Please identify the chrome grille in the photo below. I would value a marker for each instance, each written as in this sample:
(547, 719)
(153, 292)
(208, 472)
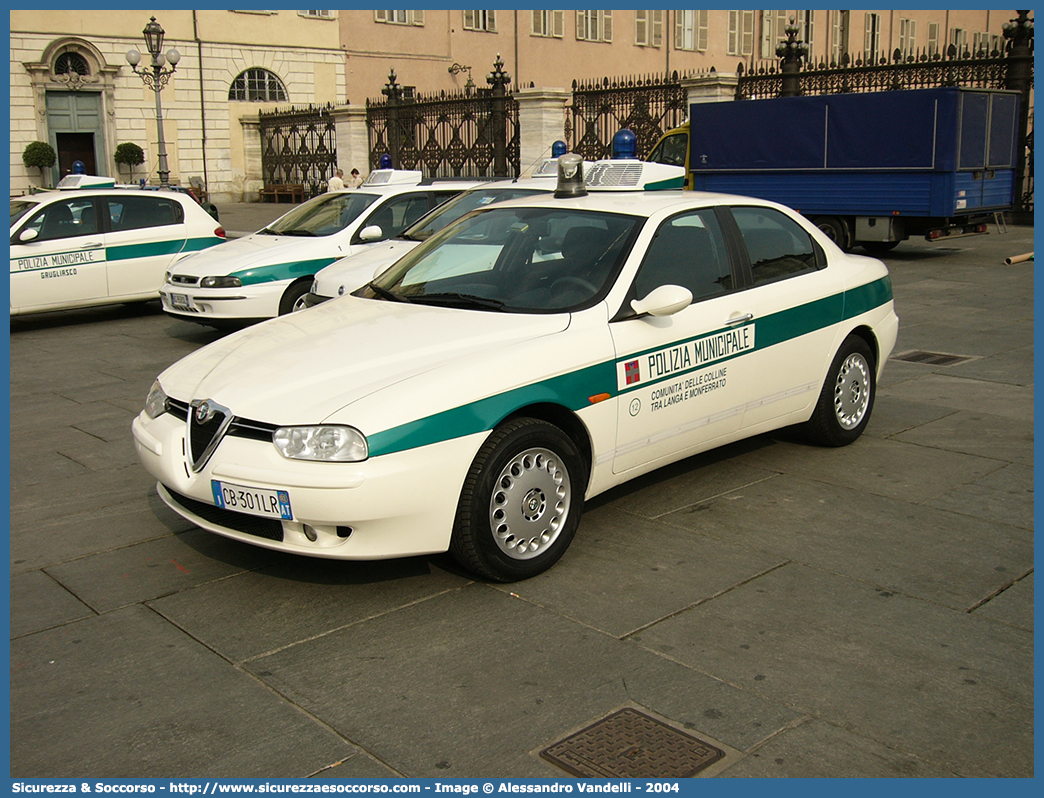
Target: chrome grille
(183, 279)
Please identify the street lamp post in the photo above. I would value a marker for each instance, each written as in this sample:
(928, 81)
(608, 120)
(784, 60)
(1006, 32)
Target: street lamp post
(156, 78)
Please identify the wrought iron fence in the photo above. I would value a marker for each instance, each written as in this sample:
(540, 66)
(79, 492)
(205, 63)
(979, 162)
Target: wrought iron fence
(647, 106)
(299, 145)
(921, 70)
(473, 132)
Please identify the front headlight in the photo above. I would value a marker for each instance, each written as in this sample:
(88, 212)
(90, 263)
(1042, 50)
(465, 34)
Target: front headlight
(220, 282)
(327, 443)
(156, 401)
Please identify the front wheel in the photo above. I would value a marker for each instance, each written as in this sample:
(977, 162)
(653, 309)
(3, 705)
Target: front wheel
(293, 296)
(847, 398)
(521, 502)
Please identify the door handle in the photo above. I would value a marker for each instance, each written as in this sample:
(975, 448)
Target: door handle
(91, 245)
(739, 319)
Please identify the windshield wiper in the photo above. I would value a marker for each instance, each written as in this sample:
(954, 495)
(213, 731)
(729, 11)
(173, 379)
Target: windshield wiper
(460, 300)
(297, 233)
(380, 290)
(267, 231)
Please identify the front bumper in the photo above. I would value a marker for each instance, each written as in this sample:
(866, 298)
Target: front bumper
(258, 301)
(395, 505)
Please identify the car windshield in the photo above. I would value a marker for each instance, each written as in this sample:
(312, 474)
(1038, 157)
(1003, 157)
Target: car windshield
(324, 215)
(20, 208)
(461, 204)
(521, 260)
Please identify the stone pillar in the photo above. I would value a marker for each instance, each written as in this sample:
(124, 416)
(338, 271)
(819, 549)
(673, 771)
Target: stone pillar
(541, 122)
(253, 175)
(712, 87)
(353, 139)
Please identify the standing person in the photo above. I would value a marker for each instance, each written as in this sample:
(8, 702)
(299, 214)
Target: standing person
(355, 180)
(336, 182)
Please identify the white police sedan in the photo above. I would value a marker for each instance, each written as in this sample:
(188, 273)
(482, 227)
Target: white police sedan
(265, 274)
(94, 243)
(526, 358)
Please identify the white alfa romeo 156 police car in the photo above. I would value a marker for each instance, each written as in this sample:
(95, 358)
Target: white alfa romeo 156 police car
(533, 354)
(265, 274)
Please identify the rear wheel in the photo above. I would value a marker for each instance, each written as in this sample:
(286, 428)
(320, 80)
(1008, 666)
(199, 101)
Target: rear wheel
(521, 502)
(847, 398)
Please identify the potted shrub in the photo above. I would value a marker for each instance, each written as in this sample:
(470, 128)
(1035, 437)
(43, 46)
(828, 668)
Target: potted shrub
(130, 154)
(41, 155)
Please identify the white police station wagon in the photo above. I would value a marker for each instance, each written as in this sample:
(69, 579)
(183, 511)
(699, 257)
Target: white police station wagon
(94, 243)
(267, 273)
(526, 358)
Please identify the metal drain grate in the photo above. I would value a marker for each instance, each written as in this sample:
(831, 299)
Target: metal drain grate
(630, 744)
(931, 358)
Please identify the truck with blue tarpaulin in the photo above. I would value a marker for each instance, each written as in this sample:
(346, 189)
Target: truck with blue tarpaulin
(870, 169)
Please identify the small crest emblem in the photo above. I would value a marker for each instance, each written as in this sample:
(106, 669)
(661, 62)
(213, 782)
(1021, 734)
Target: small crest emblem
(204, 412)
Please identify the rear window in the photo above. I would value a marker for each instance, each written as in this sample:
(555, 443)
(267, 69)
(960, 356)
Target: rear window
(138, 212)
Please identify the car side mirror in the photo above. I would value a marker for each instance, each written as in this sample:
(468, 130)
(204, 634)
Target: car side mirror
(663, 301)
(29, 234)
(372, 232)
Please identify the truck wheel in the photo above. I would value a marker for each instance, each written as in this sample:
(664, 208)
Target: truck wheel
(847, 398)
(521, 502)
(836, 230)
(878, 247)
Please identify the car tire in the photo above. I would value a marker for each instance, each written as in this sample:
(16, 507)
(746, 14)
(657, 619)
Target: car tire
(847, 398)
(521, 501)
(292, 294)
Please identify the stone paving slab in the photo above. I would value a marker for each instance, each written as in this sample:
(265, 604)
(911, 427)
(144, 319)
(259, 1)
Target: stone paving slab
(924, 680)
(815, 749)
(473, 681)
(38, 602)
(952, 559)
(145, 571)
(624, 572)
(1003, 494)
(296, 599)
(141, 698)
(889, 468)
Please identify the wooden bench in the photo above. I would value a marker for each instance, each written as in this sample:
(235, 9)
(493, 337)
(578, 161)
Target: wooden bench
(294, 191)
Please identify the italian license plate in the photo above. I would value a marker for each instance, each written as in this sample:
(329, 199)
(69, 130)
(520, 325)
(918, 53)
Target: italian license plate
(253, 501)
(180, 301)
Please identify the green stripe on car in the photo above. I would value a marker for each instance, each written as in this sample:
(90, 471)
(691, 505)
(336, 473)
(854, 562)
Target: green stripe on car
(281, 271)
(573, 389)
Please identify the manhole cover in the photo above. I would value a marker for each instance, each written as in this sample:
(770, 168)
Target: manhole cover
(931, 358)
(630, 744)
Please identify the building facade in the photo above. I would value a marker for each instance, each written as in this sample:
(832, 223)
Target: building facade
(550, 49)
(71, 85)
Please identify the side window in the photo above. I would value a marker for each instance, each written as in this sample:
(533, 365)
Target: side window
(778, 246)
(65, 219)
(397, 214)
(688, 250)
(136, 212)
(671, 150)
